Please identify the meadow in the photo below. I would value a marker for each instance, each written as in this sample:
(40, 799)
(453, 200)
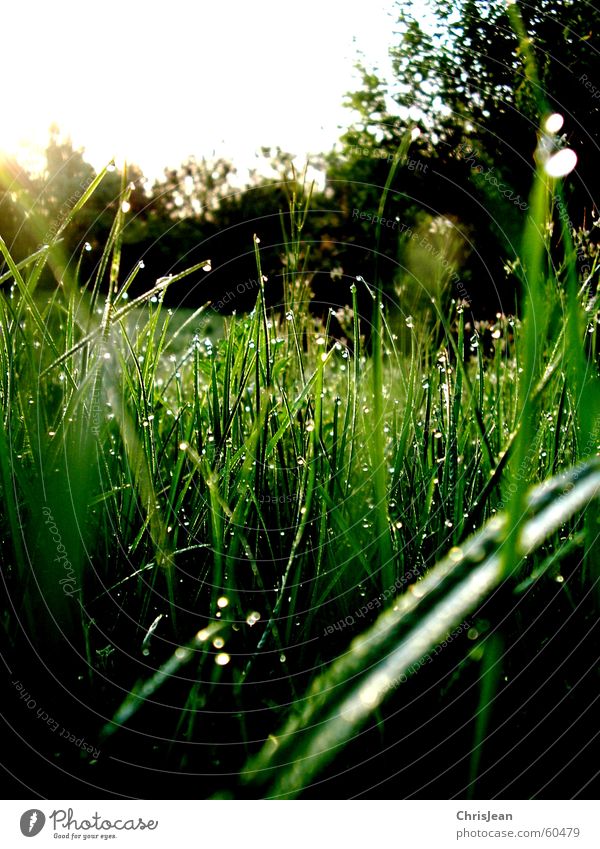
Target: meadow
(278, 560)
(301, 551)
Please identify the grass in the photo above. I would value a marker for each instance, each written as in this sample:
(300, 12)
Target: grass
(198, 529)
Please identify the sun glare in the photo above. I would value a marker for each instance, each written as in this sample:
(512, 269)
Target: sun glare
(153, 86)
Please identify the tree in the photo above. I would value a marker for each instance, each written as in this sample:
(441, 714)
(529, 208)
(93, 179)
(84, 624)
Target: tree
(16, 188)
(194, 188)
(459, 73)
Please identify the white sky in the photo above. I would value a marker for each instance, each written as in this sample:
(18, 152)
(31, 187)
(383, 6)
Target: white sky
(156, 81)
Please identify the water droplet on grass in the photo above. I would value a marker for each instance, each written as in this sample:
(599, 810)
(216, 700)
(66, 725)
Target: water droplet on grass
(554, 122)
(561, 163)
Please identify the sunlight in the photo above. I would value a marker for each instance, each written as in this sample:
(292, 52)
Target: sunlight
(134, 85)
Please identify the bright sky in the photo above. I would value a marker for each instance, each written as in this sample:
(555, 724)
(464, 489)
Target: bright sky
(156, 81)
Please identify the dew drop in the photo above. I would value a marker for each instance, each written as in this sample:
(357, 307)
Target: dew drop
(554, 122)
(561, 163)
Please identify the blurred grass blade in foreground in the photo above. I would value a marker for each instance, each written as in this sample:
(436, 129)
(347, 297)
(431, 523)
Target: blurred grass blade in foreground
(342, 699)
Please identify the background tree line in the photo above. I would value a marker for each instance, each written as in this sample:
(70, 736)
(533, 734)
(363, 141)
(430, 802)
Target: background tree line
(457, 75)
